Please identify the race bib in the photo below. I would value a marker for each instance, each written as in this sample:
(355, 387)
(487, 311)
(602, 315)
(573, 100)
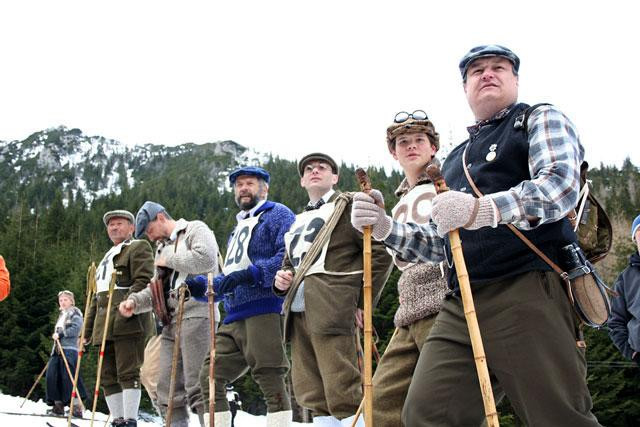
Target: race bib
(105, 268)
(415, 206)
(303, 232)
(238, 251)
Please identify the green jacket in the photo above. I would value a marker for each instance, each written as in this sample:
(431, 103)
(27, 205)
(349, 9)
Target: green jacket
(134, 270)
(331, 300)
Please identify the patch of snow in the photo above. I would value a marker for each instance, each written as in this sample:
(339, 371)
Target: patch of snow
(32, 412)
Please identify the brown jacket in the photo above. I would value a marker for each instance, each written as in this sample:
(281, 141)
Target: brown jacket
(331, 300)
(134, 269)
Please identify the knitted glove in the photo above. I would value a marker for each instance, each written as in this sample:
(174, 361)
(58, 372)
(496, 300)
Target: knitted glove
(369, 210)
(249, 276)
(198, 287)
(454, 209)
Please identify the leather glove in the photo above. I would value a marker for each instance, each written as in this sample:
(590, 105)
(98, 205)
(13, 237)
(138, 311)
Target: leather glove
(249, 276)
(198, 287)
(455, 209)
(368, 209)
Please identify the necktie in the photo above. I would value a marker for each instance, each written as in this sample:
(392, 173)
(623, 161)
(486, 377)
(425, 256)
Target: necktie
(317, 205)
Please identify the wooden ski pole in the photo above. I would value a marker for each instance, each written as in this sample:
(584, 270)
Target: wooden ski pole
(469, 309)
(212, 350)
(96, 392)
(91, 288)
(365, 186)
(35, 383)
(176, 352)
(66, 365)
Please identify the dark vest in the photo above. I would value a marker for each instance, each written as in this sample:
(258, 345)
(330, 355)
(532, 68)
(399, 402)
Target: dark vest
(494, 253)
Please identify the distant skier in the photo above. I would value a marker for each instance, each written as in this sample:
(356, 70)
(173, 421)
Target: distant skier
(234, 402)
(59, 384)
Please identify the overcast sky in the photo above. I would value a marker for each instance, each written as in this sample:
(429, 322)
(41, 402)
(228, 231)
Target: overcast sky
(298, 76)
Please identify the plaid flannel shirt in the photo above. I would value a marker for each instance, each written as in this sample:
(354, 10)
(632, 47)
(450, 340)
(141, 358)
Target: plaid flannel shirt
(555, 155)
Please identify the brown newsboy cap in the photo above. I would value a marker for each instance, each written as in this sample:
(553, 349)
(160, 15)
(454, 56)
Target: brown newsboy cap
(121, 213)
(317, 156)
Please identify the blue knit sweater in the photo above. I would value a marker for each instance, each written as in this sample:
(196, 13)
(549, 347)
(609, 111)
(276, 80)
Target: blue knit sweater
(266, 250)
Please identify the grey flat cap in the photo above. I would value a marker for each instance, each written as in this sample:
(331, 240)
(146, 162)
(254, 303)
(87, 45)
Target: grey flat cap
(120, 213)
(145, 215)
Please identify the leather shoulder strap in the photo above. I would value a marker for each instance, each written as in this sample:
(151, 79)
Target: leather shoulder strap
(515, 231)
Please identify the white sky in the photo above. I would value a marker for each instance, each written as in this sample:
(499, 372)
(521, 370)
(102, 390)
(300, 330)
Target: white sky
(297, 76)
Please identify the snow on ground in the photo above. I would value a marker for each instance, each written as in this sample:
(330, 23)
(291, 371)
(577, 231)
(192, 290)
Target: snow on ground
(12, 404)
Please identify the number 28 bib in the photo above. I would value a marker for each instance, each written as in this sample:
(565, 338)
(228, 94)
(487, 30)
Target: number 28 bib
(415, 206)
(303, 232)
(238, 250)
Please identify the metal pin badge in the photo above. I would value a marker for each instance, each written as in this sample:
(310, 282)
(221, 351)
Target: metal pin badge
(491, 155)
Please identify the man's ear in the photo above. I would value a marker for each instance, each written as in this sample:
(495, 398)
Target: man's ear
(334, 179)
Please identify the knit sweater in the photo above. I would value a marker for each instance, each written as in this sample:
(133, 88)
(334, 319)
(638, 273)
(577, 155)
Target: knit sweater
(195, 251)
(421, 287)
(266, 250)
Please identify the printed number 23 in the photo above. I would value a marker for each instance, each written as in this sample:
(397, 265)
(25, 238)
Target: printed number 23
(312, 229)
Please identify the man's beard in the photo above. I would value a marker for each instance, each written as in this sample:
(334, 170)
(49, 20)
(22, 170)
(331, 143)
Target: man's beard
(245, 206)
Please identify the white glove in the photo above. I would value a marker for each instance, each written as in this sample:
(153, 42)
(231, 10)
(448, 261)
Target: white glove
(366, 210)
(455, 209)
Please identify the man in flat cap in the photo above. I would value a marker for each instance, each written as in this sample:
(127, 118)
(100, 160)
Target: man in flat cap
(524, 163)
(250, 337)
(323, 296)
(132, 261)
(187, 249)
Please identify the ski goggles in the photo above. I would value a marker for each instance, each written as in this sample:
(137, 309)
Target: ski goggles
(403, 116)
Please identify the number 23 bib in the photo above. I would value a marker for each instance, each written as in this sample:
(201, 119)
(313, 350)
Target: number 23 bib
(303, 232)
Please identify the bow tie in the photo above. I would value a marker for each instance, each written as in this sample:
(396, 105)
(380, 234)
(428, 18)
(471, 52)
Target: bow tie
(317, 205)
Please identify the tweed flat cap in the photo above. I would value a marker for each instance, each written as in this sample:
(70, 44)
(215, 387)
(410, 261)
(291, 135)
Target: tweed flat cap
(145, 215)
(317, 156)
(120, 213)
(484, 51)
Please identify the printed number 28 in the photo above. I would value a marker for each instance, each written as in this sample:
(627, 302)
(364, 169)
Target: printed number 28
(238, 246)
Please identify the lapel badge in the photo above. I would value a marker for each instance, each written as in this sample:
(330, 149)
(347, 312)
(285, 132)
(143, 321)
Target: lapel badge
(491, 155)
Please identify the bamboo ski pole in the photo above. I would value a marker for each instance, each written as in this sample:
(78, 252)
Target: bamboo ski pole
(469, 310)
(96, 392)
(35, 383)
(212, 350)
(176, 352)
(66, 365)
(365, 186)
(91, 288)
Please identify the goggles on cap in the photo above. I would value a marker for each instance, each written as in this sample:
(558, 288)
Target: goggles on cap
(403, 116)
